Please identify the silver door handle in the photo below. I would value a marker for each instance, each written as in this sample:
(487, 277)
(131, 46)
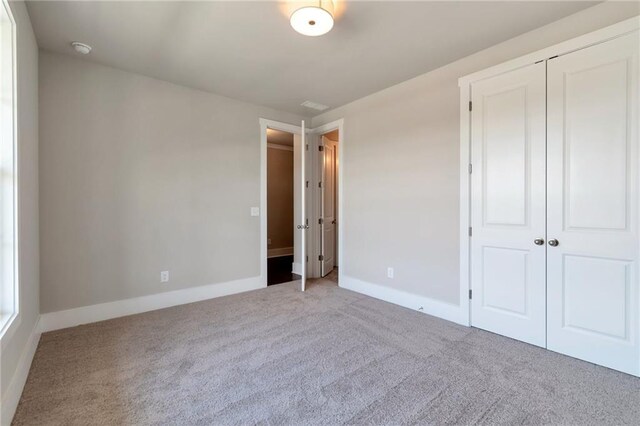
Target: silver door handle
(538, 241)
(554, 243)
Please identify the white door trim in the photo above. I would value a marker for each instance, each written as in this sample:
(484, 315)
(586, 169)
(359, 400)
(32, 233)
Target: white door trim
(465, 204)
(577, 43)
(320, 130)
(313, 219)
(264, 125)
(325, 224)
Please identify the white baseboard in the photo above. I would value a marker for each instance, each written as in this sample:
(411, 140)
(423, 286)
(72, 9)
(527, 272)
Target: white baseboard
(104, 311)
(423, 304)
(282, 251)
(296, 268)
(11, 397)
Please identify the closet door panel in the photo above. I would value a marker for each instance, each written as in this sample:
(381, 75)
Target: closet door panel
(508, 204)
(592, 179)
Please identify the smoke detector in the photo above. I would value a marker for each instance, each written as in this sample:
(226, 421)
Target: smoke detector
(81, 48)
(314, 105)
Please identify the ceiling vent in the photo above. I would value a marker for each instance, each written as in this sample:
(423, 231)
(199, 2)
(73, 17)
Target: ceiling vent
(314, 105)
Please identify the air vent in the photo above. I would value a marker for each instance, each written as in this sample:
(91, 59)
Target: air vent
(314, 105)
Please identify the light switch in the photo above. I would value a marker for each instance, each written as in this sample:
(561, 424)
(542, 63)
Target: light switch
(255, 211)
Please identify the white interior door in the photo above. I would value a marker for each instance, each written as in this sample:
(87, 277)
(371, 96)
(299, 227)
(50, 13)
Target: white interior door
(593, 204)
(302, 219)
(508, 204)
(328, 223)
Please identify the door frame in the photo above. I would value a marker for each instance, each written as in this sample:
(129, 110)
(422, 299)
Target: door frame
(322, 165)
(313, 250)
(264, 125)
(596, 37)
(317, 265)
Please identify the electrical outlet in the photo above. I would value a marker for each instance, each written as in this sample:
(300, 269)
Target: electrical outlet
(164, 276)
(389, 272)
(269, 241)
(255, 211)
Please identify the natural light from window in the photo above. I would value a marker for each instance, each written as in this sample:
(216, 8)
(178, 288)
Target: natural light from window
(8, 271)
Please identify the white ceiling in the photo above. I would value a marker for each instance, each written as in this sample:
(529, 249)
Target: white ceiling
(248, 51)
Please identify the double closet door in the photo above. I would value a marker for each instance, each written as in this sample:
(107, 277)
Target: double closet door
(554, 204)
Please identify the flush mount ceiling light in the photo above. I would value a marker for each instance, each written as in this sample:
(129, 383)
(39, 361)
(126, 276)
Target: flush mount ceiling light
(312, 20)
(81, 47)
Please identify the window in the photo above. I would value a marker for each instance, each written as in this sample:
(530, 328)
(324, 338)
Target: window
(8, 253)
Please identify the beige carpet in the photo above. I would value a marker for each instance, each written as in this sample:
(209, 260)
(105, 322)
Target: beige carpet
(326, 356)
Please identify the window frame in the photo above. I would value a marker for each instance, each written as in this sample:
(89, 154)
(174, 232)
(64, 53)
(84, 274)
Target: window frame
(9, 311)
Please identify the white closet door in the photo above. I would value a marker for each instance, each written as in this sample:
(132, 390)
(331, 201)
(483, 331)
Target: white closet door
(508, 204)
(593, 204)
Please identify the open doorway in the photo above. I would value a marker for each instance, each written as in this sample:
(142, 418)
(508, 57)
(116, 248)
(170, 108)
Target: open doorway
(329, 208)
(281, 199)
(317, 243)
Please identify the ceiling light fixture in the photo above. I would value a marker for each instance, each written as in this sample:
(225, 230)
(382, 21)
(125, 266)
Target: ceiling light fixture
(312, 20)
(81, 47)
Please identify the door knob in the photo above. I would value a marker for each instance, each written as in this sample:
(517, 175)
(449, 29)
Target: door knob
(554, 243)
(538, 241)
(333, 222)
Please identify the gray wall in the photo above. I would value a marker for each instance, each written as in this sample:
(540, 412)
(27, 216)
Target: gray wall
(27, 56)
(401, 156)
(139, 176)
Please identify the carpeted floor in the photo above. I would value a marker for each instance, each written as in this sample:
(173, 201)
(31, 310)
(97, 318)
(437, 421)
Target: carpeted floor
(326, 356)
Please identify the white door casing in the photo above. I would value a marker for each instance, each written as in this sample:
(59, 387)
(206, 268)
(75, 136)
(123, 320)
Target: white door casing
(508, 204)
(311, 203)
(328, 199)
(593, 295)
(296, 131)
